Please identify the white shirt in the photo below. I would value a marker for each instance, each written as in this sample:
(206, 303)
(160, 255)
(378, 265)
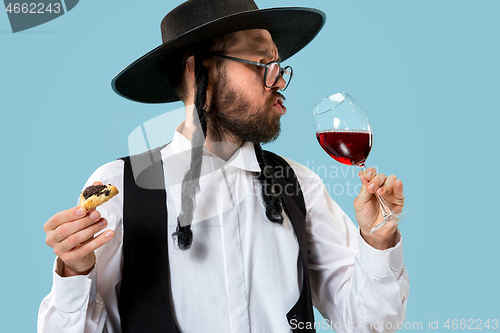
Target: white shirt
(241, 272)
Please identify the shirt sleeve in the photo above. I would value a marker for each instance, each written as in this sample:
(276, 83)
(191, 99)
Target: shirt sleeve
(73, 305)
(88, 304)
(355, 287)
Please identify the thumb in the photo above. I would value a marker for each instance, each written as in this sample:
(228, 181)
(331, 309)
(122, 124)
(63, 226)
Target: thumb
(364, 196)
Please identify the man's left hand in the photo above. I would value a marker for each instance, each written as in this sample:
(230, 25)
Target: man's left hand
(368, 212)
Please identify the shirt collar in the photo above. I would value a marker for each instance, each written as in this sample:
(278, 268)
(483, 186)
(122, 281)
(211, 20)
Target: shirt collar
(244, 158)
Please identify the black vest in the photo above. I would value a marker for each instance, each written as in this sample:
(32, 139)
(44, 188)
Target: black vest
(145, 298)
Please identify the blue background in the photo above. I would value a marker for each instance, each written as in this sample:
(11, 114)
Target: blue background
(426, 73)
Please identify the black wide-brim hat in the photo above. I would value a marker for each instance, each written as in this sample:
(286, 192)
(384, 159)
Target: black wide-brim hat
(145, 80)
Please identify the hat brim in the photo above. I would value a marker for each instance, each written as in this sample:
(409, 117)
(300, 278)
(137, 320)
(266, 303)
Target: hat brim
(146, 81)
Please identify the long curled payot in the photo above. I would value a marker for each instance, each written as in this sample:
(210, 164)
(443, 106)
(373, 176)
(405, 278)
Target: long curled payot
(191, 182)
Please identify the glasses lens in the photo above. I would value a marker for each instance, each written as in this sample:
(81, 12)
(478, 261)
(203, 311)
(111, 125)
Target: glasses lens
(287, 75)
(273, 73)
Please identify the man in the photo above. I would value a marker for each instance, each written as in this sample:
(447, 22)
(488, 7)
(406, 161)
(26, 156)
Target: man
(218, 245)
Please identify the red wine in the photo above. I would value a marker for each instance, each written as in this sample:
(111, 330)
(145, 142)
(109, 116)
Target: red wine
(346, 146)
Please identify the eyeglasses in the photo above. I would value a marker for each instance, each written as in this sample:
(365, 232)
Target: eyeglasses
(271, 74)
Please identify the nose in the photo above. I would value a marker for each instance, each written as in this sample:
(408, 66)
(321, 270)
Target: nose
(280, 84)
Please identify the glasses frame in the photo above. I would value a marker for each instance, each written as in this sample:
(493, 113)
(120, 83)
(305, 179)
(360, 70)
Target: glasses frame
(266, 66)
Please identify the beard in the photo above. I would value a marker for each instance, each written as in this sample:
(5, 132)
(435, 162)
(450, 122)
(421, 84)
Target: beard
(231, 114)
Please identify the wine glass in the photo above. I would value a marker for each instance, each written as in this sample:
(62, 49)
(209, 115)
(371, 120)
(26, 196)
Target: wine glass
(344, 132)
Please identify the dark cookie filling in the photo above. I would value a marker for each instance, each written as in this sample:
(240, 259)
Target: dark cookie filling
(95, 190)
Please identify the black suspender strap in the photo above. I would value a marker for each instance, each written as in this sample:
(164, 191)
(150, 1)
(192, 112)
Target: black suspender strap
(144, 302)
(294, 206)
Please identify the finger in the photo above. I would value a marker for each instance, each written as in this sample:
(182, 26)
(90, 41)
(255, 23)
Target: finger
(366, 176)
(80, 237)
(364, 196)
(396, 193)
(370, 173)
(64, 216)
(361, 176)
(69, 228)
(94, 244)
(376, 182)
(395, 196)
(388, 186)
(398, 190)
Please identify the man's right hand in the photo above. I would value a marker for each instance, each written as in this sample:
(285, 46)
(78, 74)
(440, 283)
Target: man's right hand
(71, 234)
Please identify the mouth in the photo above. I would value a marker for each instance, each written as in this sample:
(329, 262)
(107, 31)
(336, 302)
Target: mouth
(278, 104)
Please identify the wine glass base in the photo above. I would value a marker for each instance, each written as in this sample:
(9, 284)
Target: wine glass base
(393, 217)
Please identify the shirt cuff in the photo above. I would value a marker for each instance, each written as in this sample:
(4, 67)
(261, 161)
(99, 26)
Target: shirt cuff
(382, 263)
(71, 293)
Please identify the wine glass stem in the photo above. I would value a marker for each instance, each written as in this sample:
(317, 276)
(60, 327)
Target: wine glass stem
(386, 210)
